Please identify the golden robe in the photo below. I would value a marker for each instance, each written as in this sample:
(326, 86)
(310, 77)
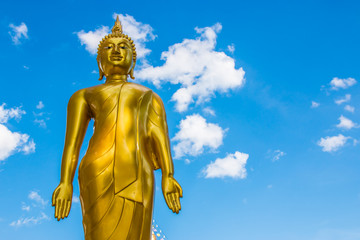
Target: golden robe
(116, 174)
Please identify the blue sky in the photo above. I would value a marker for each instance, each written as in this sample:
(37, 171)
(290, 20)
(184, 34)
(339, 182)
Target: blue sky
(262, 101)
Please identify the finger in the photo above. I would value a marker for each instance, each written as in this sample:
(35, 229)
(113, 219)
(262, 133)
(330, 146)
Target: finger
(178, 202)
(168, 201)
(173, 201)
(57, 208)
(181, 192)
(180, 189)
(63, 210)
(68, 209)
(172, 198)
(54, 197)
(61, 207)
(171, 205)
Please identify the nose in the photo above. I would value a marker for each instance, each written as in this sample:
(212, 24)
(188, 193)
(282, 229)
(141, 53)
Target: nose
(117, 49)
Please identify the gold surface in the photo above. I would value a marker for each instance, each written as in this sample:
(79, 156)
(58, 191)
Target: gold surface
(130, 141)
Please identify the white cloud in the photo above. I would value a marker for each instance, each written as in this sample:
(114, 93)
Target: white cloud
(209, 111)
(233, 165)
(40, 122)
(346, 123)
(11, 142)
(30, 220)
(40, 114)
(18, 32)
(40, 117)
(29, 147)
(277, 155)
(7, 114)
(231, 48)
(75, 199)
(269, 186)
(349, 108)
(332, 144)
(92, 39)
(25, 207)
(37, 202)
(139, 32)
(40, 105)
(26, 67)
(346, 98)
(197, 67)
(196, 134)
(33, 195)
(337, 83)
(314, 104)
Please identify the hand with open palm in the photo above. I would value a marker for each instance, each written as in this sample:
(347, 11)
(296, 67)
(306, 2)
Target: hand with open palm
(62, 199)
(172, 193)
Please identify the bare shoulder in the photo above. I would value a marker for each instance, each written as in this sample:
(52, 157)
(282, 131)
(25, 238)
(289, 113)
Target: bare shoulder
(85, 93)
(94, 89)
(78, 96)
(88, 93)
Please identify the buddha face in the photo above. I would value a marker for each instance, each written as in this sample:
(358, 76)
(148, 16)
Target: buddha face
(115, 56)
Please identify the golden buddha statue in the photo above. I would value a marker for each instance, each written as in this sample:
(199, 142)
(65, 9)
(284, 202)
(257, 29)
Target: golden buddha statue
(130, 141)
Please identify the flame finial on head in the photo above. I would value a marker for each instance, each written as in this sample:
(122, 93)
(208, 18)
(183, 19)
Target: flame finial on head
(117, 28)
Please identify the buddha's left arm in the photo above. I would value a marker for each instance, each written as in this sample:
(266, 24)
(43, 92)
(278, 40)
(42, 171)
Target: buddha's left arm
(161, 148)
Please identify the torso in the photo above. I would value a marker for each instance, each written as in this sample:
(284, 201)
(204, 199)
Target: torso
(114, 145)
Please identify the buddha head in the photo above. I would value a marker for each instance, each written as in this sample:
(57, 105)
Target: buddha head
(116, 54)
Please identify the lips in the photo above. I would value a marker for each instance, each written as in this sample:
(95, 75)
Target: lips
(116, 58)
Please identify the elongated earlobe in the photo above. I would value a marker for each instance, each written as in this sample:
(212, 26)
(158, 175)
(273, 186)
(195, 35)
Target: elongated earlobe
(132, 70)
(101, 76)
(101, 73)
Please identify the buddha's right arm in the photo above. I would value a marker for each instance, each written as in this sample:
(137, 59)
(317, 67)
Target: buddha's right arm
(78, 118)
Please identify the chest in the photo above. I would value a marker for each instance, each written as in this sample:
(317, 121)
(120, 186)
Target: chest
(113, 99)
